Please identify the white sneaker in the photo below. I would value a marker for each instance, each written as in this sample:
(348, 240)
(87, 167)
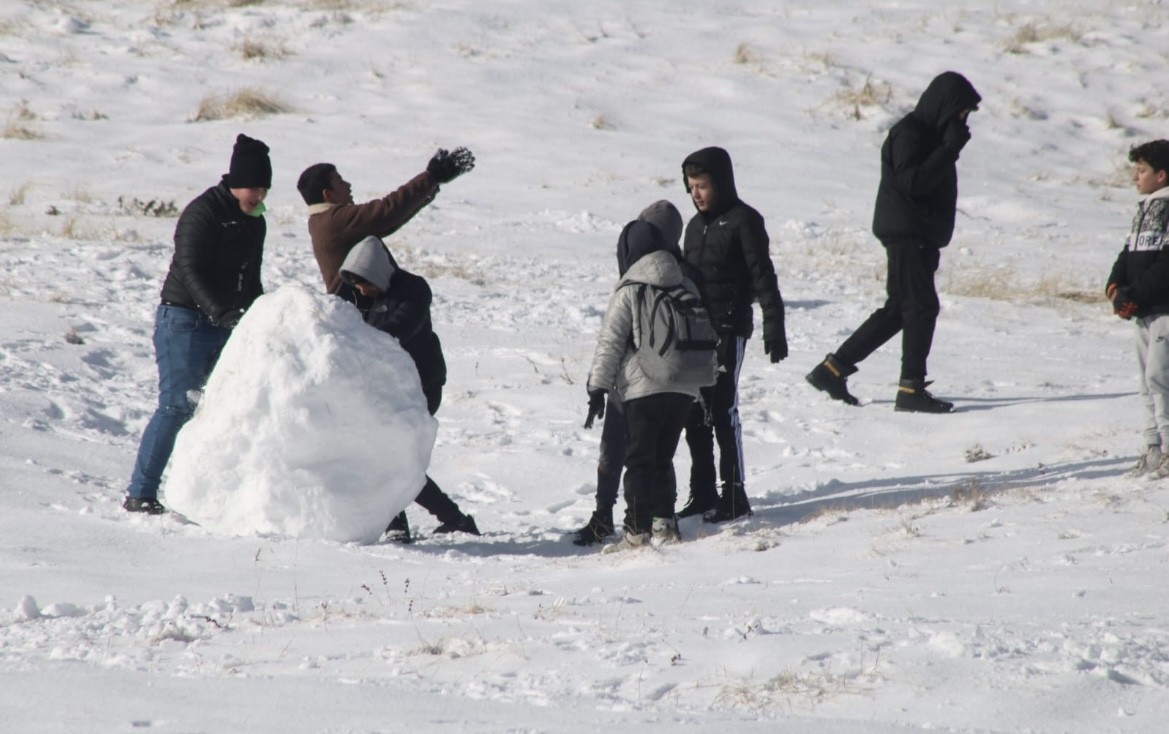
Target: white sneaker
(629, 541)
(1152, 460)
(665, 531)
(1161, 470)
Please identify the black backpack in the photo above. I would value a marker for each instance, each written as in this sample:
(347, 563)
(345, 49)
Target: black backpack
(674, 337)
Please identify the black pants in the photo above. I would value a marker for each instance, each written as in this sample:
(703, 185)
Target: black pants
(911, 308)
(655, 427)
(723, 403)
(431, 497)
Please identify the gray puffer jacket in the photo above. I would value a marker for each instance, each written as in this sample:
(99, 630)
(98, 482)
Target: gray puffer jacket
(613, 366)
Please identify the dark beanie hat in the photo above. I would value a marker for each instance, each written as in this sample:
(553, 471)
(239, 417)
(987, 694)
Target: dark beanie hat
(250, 167)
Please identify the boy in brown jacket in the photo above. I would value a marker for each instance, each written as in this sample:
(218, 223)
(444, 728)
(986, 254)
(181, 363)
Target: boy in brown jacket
(336, 224)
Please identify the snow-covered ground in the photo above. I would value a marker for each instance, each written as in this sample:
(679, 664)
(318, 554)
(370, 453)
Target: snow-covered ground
(987, 571)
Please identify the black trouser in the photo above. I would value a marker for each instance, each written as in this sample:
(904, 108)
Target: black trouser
(911, 308)
(723, 402)
(655, 427)
(431, 497)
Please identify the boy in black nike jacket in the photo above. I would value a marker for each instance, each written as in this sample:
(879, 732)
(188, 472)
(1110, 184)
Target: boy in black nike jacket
(727, 242)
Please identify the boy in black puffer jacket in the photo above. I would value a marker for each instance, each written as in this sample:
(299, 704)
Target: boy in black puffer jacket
(728, 243)
(398, 303)
(913, 218)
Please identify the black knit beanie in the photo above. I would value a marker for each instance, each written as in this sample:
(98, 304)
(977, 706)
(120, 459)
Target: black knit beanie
(250, 167)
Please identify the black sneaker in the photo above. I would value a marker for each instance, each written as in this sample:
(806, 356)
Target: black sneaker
(598, 528)
(465, 524)
(144, 505)
(831, 376)
(912, 397)
(699, 504)
(398, 531)
(732, 505)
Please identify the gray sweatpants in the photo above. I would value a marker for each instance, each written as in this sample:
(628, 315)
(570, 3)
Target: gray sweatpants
(1152, 344)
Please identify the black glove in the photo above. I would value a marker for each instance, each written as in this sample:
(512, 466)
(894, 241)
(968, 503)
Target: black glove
(775, 348)
(228, 319)
(447, 165)
(596, 407)
(956, 134)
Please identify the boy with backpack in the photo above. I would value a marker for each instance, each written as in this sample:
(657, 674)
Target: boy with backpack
(656, 349)
(665, 216)
(1138, 287)
(398, 303)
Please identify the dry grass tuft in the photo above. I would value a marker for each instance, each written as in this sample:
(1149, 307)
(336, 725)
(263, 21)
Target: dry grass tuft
(247, 102)
(1002, 284)
(972, 494)
(19, 194)
(252, 50)
(1034, 32)
(19, 125)
(869, 94)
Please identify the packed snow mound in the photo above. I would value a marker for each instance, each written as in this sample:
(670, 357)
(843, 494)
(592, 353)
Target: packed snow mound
(312, 425)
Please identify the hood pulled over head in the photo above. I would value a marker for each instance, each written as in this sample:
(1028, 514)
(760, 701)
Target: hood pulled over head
(946, 96)
(716, 162)
(371, 261)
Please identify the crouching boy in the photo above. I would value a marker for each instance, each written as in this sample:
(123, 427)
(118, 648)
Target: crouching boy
(398, 303)
(1138, 288)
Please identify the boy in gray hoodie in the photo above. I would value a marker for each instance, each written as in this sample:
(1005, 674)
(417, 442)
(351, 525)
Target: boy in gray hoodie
(398, 302)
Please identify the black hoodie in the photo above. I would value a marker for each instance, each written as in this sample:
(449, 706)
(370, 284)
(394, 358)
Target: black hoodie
(918, 194)
(729, 246)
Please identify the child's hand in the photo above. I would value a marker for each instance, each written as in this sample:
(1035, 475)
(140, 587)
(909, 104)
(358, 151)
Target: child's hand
(596, 407)
(1122, 304)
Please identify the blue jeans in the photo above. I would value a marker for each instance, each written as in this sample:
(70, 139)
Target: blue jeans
(614, 436)
(186, 347)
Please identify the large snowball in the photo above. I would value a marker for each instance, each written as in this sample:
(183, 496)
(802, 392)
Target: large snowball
(313, 425)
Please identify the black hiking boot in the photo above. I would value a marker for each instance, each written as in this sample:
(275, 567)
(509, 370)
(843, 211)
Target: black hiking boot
(398, 531)
(699, 503)
(912, 397)
(146, 506)
(599, 527)
(732, 505)
(464, 524)
(831, 376)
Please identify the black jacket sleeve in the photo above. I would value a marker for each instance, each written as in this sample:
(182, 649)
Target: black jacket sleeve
(764, 284)
(919, 165)
(407, 307)
(194, 261)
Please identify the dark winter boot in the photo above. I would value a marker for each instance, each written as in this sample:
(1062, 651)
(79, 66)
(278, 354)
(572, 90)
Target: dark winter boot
(831, 376)
(398, 531)
(464, 524)
(599, 527)
(732, 504)
(145, 506)
(912, 397)
(700, 502)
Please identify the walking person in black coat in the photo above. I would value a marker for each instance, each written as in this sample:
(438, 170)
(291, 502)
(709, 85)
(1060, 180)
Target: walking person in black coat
(727, 242)
(914, 219)
(398, 302)
(213, 278)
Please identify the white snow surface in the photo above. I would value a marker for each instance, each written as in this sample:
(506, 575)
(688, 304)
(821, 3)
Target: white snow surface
(312, 425)
(993, 570)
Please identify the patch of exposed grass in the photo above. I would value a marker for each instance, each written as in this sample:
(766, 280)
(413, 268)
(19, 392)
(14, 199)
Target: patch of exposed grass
(1041, 32)
(252, 50)
(247, 102)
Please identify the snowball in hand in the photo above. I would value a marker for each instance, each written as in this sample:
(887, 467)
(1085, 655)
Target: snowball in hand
(313, 424)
